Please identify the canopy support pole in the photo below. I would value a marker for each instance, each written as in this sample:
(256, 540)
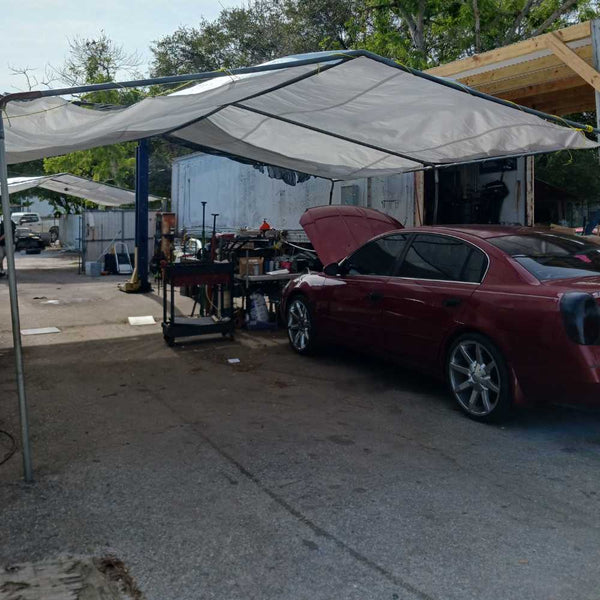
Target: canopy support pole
(14, 309)
(141, 213)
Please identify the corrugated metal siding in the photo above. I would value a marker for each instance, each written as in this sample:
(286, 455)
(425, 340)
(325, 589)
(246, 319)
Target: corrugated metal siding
(243, 196)
(70, 230)
(101, 228)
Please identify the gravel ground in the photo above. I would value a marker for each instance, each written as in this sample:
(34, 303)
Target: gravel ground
(281, 477)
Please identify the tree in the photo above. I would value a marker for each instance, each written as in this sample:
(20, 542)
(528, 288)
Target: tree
(98, 61)
(424, 33)
(261, 31)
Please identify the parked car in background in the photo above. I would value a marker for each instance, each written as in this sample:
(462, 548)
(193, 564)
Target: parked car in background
(503, 314)
(32, 223)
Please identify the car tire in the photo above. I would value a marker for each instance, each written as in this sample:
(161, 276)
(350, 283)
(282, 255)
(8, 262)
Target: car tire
(479, 378)
(300, 325)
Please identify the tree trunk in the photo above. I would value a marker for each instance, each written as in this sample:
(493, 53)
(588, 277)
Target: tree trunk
(477, 19)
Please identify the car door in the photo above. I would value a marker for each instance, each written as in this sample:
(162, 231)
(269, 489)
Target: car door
(428, 294)
(355, 298)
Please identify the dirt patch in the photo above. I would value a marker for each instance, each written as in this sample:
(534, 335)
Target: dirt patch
(69, 578)
(115, 570)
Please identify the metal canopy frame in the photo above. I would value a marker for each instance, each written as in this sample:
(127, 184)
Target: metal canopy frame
(338, 57)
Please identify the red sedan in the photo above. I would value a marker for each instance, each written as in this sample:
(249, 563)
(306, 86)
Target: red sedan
(503, 314)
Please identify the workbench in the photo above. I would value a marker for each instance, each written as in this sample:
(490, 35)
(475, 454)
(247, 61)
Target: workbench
(269, 285)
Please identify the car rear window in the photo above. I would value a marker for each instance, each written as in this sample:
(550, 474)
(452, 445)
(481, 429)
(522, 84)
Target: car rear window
(552, 256)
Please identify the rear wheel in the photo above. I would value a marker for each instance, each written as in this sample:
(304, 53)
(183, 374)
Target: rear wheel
(479, 378)
(300, 326)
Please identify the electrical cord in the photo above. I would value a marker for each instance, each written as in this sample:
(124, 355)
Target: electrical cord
(12, 451)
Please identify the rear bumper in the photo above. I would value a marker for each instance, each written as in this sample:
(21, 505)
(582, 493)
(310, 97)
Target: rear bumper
(582, 394)
(579, 383)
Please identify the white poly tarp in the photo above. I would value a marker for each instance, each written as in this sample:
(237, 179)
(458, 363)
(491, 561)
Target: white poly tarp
(80, 187)
(359, 118)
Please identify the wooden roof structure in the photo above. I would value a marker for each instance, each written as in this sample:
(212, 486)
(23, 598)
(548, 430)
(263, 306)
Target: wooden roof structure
(555, 72)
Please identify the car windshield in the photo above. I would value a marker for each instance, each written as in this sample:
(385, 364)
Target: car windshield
(552, 256)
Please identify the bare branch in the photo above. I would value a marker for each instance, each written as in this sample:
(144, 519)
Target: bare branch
(31, 79)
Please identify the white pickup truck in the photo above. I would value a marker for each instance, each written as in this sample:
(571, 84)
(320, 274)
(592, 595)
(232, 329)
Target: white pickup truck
(30, 222)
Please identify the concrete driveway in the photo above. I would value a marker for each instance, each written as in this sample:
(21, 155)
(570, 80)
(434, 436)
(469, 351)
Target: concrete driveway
(281, 477)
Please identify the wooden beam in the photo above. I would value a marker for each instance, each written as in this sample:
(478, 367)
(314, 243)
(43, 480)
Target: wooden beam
(530, 191)
(505, 74)
(534, 79)
(570, 58)
(564, 110)
(567, 107)
(569, 34)
(578, 95)
(533, 89)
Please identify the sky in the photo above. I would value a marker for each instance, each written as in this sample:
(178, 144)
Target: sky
(37, 32)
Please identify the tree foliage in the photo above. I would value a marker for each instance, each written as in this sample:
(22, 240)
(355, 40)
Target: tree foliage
(420, 33)
(261, 31)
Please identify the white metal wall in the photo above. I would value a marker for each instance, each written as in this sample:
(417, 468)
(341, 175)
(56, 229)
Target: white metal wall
(102, 228)
(243, 196)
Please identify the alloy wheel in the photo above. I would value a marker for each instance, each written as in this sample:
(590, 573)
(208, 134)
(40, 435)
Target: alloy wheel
(299, 325)
(474, 378)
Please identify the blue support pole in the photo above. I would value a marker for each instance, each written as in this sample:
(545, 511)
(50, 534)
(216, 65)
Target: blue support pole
(141, 213)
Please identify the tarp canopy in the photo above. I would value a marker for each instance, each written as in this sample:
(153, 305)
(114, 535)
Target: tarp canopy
(80, 187)
(344, 118)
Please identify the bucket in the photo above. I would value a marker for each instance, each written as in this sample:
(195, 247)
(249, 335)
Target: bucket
(92, 268)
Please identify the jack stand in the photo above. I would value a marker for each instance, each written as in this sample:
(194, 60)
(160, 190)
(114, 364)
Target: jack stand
(135, 285)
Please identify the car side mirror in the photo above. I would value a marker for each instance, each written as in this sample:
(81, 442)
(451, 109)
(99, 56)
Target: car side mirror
(333, 269)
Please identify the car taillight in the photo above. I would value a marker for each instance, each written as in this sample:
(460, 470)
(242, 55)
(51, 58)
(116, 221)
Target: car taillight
(581, 316)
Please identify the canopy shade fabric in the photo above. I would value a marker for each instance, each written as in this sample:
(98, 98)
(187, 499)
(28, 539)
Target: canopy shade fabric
(80, 187)
(342, 119)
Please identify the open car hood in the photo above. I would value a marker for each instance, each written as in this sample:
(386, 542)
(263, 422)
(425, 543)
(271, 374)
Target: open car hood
(336, 231)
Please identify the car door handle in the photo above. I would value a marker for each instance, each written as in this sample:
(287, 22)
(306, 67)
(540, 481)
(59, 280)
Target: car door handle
(451, 302)
(375, 296)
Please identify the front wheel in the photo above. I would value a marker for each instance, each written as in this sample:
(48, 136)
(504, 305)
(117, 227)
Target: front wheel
(300, 326)
(479, 378)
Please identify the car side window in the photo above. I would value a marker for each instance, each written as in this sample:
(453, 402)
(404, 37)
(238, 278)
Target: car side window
(378, 257)
(432, 256)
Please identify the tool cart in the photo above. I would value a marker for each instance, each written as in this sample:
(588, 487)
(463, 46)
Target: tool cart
(213, 284)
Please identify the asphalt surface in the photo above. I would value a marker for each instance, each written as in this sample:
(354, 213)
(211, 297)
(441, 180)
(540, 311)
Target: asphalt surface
(281, 477)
